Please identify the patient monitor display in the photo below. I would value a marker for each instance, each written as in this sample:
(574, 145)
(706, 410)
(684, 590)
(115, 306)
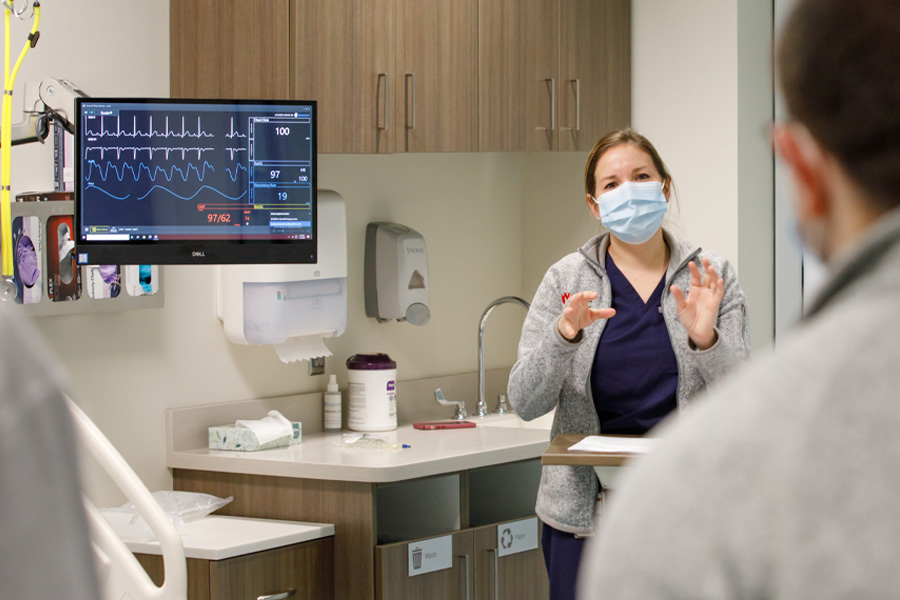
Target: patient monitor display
(187, 181)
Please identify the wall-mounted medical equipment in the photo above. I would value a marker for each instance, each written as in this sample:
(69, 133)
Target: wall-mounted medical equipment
(292, 307)
(8, 289)
(211, 182)
(396, 274)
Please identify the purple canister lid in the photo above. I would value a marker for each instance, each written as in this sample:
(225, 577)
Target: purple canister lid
(371, 362)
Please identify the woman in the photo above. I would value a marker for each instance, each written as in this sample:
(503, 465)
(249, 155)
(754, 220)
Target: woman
(621, 333)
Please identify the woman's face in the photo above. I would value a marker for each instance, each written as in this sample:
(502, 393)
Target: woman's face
(625, 162)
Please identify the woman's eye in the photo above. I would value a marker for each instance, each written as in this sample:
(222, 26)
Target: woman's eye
(642, 177)
(610, 185)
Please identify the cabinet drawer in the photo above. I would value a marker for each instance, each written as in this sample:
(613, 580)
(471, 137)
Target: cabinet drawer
(307, 568)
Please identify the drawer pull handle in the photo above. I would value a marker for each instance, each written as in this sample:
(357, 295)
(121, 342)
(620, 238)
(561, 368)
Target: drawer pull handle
(278, 596)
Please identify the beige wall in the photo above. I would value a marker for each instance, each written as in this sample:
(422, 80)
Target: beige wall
(492, 223)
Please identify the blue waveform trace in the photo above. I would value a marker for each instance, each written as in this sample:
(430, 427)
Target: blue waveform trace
(165, 189)
(135, 133)
(237, 168)
(92, 186)
(152, 174)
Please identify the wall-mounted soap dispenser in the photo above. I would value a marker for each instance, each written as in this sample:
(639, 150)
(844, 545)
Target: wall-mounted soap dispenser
(396, 274)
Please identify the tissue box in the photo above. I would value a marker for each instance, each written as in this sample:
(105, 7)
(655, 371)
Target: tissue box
(230, 437)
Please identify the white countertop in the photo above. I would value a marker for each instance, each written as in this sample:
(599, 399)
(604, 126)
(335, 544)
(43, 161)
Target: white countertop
(496, 439)
(217, 538)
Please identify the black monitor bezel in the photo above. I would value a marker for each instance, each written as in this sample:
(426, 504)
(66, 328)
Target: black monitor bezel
(199, 252)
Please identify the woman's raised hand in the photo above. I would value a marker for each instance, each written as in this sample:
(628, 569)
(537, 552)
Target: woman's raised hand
(700, 309)
(578, 314)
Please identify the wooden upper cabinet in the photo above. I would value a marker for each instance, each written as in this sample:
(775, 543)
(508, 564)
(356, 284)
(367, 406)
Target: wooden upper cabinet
(595, 70)
(417, 75)
(229, 49)
(341, 56)
(435, 102)
(518, 74)
(553, 74)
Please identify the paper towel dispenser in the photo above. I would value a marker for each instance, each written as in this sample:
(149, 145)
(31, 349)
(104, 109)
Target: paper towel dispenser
(396, 274)
(293, 307)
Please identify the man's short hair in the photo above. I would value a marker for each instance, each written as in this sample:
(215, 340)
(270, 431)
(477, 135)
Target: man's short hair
(839, 70)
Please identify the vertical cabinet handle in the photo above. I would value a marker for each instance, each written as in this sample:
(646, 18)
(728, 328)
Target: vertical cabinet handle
(466, 556)
(410, 77)
(577, 83)
(278, 596)
(496, 572)
(383, 78)
(552, 82)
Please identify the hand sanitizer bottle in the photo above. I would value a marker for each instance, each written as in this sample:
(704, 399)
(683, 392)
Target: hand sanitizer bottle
(332, 405)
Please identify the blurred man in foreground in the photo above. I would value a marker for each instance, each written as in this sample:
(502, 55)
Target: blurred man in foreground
(785, 481)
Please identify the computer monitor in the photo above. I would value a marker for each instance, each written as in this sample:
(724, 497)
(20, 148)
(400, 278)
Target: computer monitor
(176, 181)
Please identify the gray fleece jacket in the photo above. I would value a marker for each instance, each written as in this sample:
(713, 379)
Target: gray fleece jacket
(552, 372)
(783, 483)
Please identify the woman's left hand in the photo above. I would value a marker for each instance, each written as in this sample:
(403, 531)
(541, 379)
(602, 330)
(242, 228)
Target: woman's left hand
(700, 309)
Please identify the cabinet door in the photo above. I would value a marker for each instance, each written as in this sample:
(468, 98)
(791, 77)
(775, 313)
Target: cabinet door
(436, 75)
(306, 568)
(520, 576)
(341, 56)
(518, 79)
(392, 580)
(229, 49)
(595, 70)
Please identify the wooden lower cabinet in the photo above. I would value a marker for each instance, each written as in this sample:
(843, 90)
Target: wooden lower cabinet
(477, 572)
(306, 568)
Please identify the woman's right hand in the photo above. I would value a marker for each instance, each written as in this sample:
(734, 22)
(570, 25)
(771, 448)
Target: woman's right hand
(578, 314)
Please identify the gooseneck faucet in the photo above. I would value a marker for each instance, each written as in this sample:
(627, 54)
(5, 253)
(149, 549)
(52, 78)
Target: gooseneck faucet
(481, 407)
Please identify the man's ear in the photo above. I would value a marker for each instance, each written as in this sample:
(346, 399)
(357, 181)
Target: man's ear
(806, 160)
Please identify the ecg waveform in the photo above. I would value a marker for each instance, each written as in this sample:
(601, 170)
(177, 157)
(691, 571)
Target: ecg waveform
(178, 156)
(151, 132)
(232, 133)
(133, 150)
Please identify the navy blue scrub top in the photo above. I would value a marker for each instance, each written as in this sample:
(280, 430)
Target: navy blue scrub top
(635, 374)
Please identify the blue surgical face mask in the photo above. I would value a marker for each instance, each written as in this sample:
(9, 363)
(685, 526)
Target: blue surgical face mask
(633, 211)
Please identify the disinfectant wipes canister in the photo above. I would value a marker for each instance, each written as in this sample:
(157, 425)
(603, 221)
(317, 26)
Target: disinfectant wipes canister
(372, 403)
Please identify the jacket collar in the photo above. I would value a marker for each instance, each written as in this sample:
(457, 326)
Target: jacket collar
(868, 254)
(680, 252)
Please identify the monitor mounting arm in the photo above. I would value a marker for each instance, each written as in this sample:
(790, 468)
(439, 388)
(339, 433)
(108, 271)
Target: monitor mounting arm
(56, 103)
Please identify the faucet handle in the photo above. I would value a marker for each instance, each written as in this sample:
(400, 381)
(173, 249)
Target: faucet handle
(503, 406)
(460, 414)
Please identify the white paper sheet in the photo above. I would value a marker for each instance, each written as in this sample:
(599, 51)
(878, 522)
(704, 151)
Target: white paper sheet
(302, 348)
(620, 445)
(269, 428)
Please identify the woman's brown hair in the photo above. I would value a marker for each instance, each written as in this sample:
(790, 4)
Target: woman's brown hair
(616, 138)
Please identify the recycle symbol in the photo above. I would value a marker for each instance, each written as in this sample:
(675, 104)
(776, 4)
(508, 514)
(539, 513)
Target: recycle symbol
(506, 539)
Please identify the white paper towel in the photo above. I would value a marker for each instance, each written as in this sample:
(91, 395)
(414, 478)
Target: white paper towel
(269, 428)
(302, 348)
